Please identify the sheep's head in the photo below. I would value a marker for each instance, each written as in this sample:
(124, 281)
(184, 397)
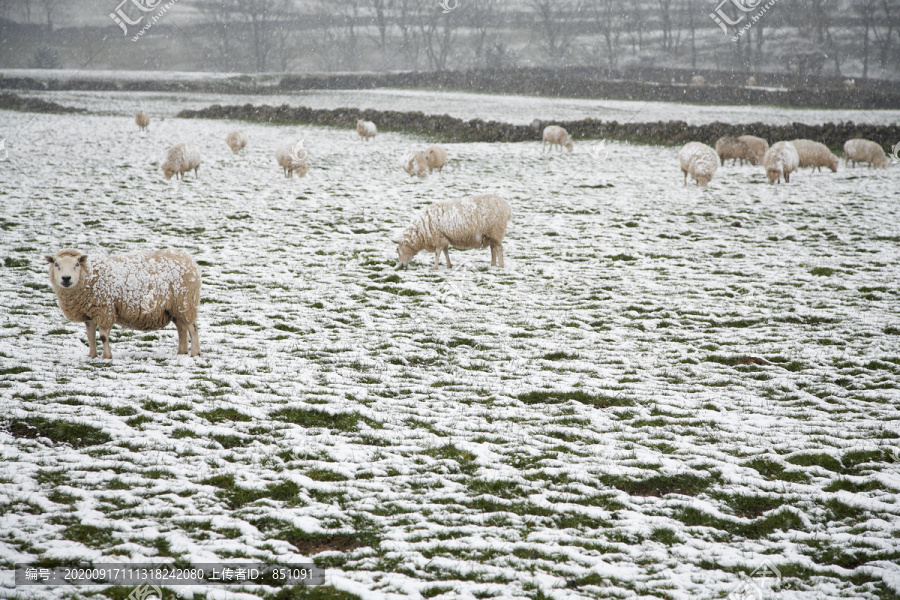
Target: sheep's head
(703, 180)
(66, 268)
(833, 163)
(773, 175)
(167, 170)
(405, 251)
(569, 145)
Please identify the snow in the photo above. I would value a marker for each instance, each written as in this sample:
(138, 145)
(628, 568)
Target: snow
(393, 407)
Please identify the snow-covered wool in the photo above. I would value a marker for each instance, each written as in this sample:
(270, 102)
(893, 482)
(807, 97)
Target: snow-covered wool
(366, 129)
(415, 163)
(698, 80)
(733, 148)
(142, 119)
(291, 160)
(756, 146)
(557, 136)
(436, 157)
(180, 159)
(864, 151)
(143, 290)
(699, 161)
(781, 160)
(471, 222)
(236, 140)
(815, 154)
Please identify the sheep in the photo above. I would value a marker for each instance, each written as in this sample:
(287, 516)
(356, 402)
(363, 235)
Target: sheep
(756, 147)
(471, 222)
(291, 157)
(142, 119)
(698, 80)
(733, 148)
(864, 151)
(556, 136)
(815, 155)
(700, 161)
(781, 159)
(366, 129)
(415, 164)
(143, 291)
(236, 140)
(435, 157)
(180, 159)
(751, 80)
(850, 84)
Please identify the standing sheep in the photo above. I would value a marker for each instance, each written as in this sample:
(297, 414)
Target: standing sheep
(815, 155)
(143, 291)
(472, 222)
(180, 159)
(698, 80)
(236, 140)
(415, 164)
(700, 161)
(864, 151)
(756, 147)
(142, 119)
(366, 129)
(556, 136)
(733, 148)
(291, 157)
(781, 159)
(435, 157)
(751, 80)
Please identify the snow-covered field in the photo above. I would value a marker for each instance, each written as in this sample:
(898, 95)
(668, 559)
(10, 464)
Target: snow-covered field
(597, 420)
(490, 107)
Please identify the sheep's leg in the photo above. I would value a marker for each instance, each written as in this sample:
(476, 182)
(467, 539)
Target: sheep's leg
(787, 177)
(91, 328)
(104, 337)
(493, 255)
(447, 255)
(195, 339)
(182, 328)
(685, 178)
(437, 260)
(500, 254)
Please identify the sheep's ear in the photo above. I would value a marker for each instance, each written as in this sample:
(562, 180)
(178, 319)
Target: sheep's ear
(49, 258)
(82, 259)
(396, 241)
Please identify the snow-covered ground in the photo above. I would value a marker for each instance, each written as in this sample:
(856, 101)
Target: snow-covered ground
(598, 419)
(491, 107)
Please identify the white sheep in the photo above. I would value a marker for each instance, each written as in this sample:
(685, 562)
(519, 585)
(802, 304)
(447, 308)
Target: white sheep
(733, 148)
(556, 136)
(698, 80)
(180, 159)
(864, 151)
(435, 157)
(142, 119)
(291, 157)
(751, 80)
(756, 146)
(780, 160)
(366, 129)
(850, 84)
(236, 140)
(699, 161)
(143, 291)
(472, 222)
(415, 163)
(815, 154)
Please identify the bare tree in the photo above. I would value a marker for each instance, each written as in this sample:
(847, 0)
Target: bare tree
(49, 7)
(406, 18)
(224, 17)
(260, 16)
(554, 26)
(867, 10)
(482, 16)
(608, 18)
(381, 8)
(437, 30)
(889, 13)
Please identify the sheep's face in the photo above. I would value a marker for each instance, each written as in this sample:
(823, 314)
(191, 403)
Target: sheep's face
(773, 175)
(168, 171)
(833, 164)
(569, 145)
(406, 254)
(703, 180)
(65, 270)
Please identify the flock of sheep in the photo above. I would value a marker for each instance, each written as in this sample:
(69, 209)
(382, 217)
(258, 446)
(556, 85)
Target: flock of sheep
(783, 158)
(148, 290)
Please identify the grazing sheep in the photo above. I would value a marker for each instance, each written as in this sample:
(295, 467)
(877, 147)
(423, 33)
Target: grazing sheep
(556, 136)
(756, 146)
(850, 84)
(436, 157)
(781, 159)
(698, 80)
(142, 119)
(291, 157)
(236, 140)
(472, 222)
(366, 129)
(751, 80)
(815, 155)
(144, 291)
(180, 159)
(864, 151)
(700, 161)
(415, 164)
(733, 148)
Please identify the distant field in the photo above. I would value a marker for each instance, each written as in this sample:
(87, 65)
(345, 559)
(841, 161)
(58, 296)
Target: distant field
(665, 390)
